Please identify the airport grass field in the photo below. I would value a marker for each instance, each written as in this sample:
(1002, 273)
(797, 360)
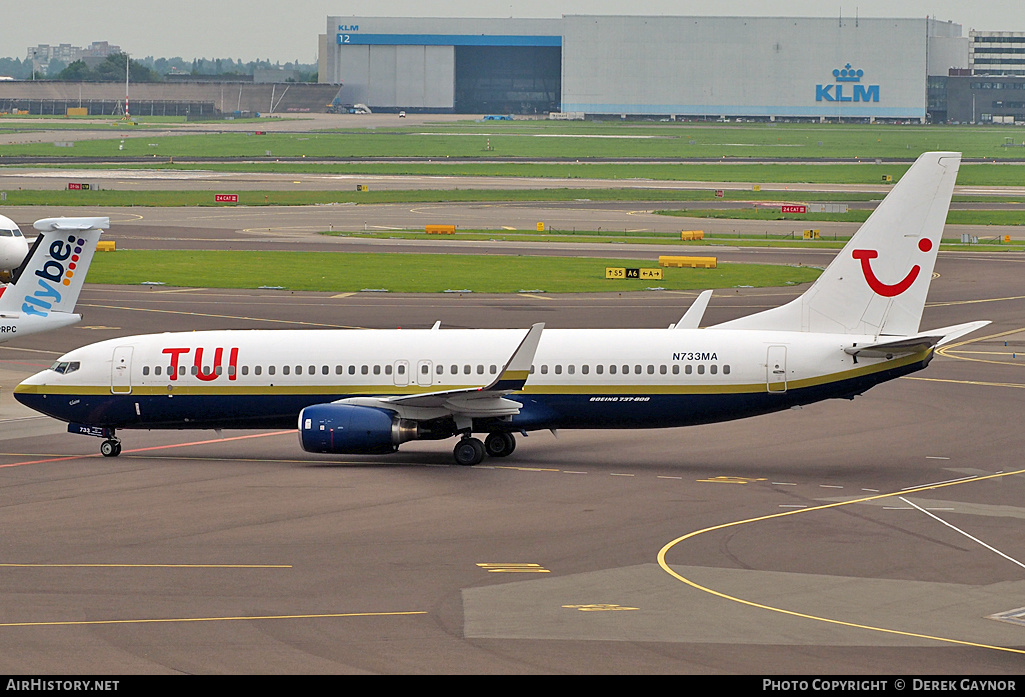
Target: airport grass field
(417, 273)
(744, 154)
(547, 140)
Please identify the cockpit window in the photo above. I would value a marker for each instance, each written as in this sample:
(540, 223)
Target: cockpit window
(65, 367)
(6, 233)
(17, 233)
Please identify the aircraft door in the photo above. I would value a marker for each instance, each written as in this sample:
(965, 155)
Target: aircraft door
(400, 371)
(425, 373)
(776, 369)
(121, 370)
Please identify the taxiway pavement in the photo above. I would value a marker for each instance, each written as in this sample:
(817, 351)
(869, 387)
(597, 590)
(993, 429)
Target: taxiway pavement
(879, 536)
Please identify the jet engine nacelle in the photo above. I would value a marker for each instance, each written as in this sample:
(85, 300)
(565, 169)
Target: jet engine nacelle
(351, 429)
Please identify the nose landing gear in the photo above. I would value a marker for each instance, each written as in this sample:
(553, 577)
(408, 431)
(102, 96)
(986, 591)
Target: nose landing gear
(110, 447)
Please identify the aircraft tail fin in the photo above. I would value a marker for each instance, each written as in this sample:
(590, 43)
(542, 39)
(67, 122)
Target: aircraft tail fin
(878, 283)
(53, 273)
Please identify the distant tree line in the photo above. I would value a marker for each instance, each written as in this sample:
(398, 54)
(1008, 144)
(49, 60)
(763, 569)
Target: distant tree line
(112, 69)
(16, 68)
(149, 69)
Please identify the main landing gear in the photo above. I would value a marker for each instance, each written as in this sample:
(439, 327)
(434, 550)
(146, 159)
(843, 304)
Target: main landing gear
(470, 451)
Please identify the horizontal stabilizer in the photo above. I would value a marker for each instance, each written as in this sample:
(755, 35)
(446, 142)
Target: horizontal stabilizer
(916, 343)
(692, 317)
(71, 224)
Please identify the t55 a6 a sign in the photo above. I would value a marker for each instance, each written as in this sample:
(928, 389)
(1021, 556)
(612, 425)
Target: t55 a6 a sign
(847, 87)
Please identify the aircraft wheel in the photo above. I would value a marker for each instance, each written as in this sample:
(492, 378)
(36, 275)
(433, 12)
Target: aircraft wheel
(468, 452)
(110, 448)
(500, 444)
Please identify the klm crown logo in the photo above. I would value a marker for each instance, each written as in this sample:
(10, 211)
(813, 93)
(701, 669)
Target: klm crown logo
(848, 75)
(835, 92)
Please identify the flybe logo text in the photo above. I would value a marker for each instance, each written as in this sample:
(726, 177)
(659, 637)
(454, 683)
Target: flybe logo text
(56, 272)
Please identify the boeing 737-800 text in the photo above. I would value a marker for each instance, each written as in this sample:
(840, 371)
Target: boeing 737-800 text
(355, 391)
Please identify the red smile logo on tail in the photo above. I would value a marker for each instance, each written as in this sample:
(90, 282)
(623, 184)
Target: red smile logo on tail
(885, 289)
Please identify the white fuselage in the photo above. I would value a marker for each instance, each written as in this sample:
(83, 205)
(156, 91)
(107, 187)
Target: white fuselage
(579, 377)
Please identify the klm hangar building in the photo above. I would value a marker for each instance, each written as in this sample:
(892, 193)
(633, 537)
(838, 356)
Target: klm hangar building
(754, 67)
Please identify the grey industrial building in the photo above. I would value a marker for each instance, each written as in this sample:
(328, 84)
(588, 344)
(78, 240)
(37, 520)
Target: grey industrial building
(761, 67)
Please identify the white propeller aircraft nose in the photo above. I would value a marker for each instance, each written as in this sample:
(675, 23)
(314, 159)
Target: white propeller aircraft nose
(13, 245)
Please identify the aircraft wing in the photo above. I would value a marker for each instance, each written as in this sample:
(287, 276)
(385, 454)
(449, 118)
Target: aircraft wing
(915, 343)
(472, 402)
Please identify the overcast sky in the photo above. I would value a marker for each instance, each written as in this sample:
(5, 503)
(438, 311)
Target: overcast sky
(286, 30)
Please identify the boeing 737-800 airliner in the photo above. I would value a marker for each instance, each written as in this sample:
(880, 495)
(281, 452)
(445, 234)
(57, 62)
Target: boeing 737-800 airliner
(355, 391)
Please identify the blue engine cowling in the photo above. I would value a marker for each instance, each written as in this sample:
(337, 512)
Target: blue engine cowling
(352, 429)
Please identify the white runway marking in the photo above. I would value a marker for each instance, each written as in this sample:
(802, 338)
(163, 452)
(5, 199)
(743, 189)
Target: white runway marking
(957, 529)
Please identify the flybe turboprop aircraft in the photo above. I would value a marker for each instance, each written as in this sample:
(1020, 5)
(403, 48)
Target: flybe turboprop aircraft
(47, 284)
(368, 391)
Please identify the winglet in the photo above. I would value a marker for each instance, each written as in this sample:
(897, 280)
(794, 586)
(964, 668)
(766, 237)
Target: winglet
(692, 317)
(514, 374)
